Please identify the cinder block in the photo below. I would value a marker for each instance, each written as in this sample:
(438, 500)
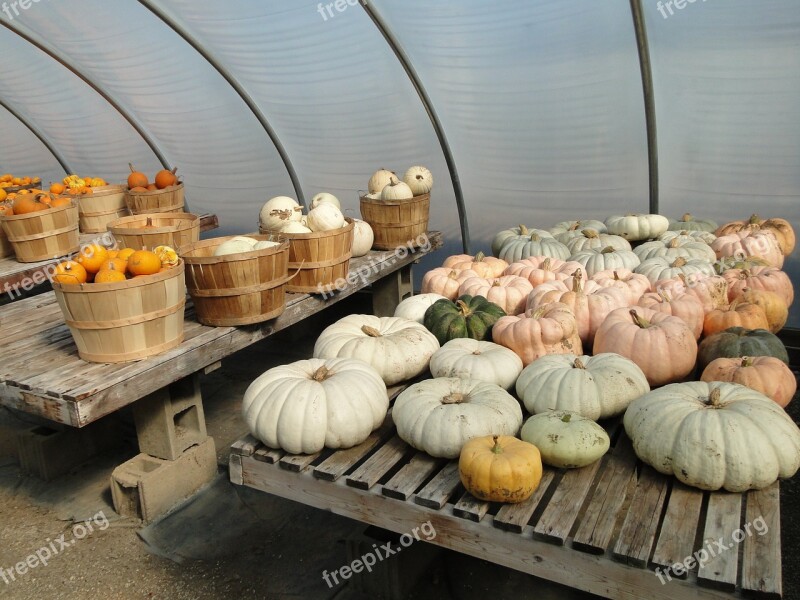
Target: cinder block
(393, 577)
(48, 453)
(171, 420)
(148, 487)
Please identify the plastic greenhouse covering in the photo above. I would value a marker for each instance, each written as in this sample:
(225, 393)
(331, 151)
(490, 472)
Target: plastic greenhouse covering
(541, 103)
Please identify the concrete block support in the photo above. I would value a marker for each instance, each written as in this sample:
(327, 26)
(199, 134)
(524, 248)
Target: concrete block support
(390, 291)
(148, 487)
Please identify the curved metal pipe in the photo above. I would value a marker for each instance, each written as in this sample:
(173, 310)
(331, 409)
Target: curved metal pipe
(238, 88)
(405, 61)
(41, 136)
(648, 91)
(129, 117)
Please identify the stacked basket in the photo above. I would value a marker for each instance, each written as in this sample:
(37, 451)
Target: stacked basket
(104, 205)
(168, 200)
(43, 235)
(148, 231)
(396, 222)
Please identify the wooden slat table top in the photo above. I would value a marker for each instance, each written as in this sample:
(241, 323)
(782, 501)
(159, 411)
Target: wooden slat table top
(604, 529)
(41, 373)
(13, 273)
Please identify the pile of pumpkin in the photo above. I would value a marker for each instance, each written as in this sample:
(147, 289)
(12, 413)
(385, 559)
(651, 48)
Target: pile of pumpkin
(7, 180)
(283, 214)
(386, 185)
(139, 182)
(487, 326)
(97, 264)
(26, 203)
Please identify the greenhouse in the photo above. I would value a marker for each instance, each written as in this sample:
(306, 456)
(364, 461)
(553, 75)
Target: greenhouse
(381, 299)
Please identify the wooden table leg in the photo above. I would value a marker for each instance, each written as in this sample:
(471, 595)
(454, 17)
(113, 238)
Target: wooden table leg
(390, 291)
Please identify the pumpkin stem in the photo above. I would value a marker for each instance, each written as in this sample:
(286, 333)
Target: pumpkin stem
(370, 331)
(607, 250)
(130, 166)
(754, 219)
(640, 321)
(479, 257)
(523, 230)
(578, 364)
(673, 243)
(464, 308)
(678, 262)
(496, 283)
(321, 374)
(453, 398)
(664, 295)
(686, 218)
(496, 448)
(452, 275)
(616, 276)
(747, 361)
(566, 418)
(545, 266)
(590, 233)
(714, 397)
(535, 237)
(577, 281)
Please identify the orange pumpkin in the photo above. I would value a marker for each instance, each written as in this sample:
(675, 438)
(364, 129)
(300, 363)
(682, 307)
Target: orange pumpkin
(92, 257)
(781, 228)
(143, 262)
(109, 275)
(6, 210)
(772, 304)
(765, 374)
(70, 273)
(27, 204)
(117, 264)
(136, 178)
(738, 314)
(125, 254)
(152, 187)
(60, 201)
(57, 188)
(165, 178)
(138, 189)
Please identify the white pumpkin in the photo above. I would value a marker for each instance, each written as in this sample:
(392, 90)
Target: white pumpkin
(635, 227)
(714, 435)
(397, 348)
(478, 360)
(414, 307)
(326, 217)
(396, 190)
(265, 244)
(566, 439)
(235, 246)
(309, 405)
(707, 237)
(522, 247)
(325, 198)
(277, 211)
(419, 179)
(595, 260)
(295, 227)
(565, 229)
(689, 222)
(587, 239)
(658, 268)
(379, 180)
(596, 387)
(363, 238)
(675, 248)
(515, 233)
(439, 416)
(373, 195)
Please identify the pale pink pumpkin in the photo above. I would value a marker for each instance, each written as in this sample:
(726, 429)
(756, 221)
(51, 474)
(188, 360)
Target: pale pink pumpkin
(748, 243)
(759, 278)
(542, 269)
(685, 306)
(711, 290)
(445, 281)
(634, 284)
(484, 266)
(765, 374)
(550, 329)
(508, 291)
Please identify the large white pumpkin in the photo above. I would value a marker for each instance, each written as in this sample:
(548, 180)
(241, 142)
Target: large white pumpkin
(325, 217)
(279, 210)
(363, 238)
(325, 198)
(379, 180)
(419, 179)
(635, 227)
(396, 190)
(439, 416)
(714, 435)
(313, 404)
(414, 307)
(235, 245)
(478, 360)
(660, 268)
(397, 348)
(566, 439)
(595, 260)
(596, 387)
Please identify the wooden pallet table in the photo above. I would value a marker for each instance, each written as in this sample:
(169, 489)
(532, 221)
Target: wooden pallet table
(17, 277)
(616, 528)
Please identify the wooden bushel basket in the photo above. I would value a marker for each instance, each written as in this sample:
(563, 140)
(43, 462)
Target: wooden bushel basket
(44, 234)
(237, 289)
(166, 229)
(104, 205)
(126, 320)
(320, 258)
(168, 200)
(396, 222)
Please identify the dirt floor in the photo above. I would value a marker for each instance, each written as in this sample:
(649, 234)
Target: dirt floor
(231, 542)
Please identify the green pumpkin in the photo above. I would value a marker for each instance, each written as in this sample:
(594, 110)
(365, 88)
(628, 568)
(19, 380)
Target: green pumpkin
(467, 317)
(736, 342)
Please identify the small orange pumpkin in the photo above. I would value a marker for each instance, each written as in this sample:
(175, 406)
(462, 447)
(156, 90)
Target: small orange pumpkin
(57, 188)
(27, 204)
(60, 201)
(6, 210)
(109, 275)
(143, 262)
(117, 264)
(136, 178)
(70, 273)
(738, 314)
(165, 178)
(92, 257)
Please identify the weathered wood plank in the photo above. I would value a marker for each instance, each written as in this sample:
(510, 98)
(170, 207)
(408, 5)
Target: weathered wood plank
(341, 461)
(587, 572)
(596, 529)
(761, 559)
(268, 455)
(245, 446)
(722, 519)
(563, 507)
(297, 462)
(377, 465)
(470, 508)
(638, 531)
(679, 529)
(406, 481)
(515, 517)
(439, 489)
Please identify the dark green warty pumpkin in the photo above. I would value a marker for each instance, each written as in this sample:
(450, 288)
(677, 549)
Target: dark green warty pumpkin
(736, 342)
(467, 317)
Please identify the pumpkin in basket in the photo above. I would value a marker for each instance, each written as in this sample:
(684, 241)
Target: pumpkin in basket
(70, 272)
(29, 203)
